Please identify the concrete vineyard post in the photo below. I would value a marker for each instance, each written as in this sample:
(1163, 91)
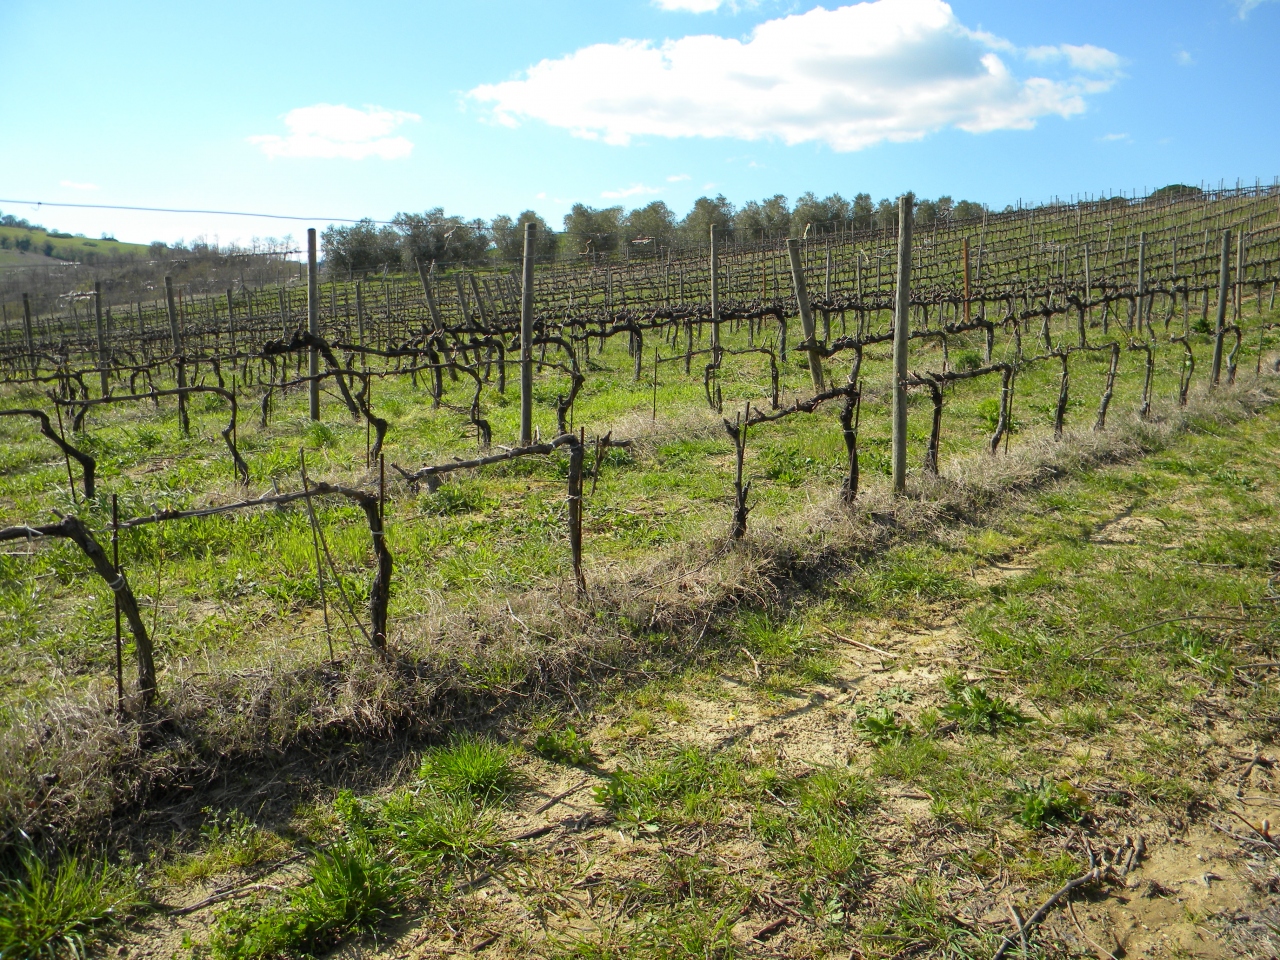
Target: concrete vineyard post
(526, 339)
(313, 325)
(1224, 281)
(806, 314)
(901, 331)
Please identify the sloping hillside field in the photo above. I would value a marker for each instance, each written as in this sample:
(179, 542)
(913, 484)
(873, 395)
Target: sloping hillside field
(601, 610)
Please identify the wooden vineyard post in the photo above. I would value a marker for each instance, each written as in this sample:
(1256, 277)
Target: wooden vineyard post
(1238, 309)
(806, 314)
(231, 326)
(577, 448)
(1088, 288)
(175, 334)
(655, 384)
(32, 363)
(313, 325)
(715, 299)
(480, 307)
(826, 296)
(1224, 281)
(964, 244)
(1142, 277)
(102, 335)
(901, 331)
(526, 338)
(360, 322)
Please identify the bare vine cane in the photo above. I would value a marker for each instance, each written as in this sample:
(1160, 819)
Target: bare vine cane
(738, 434)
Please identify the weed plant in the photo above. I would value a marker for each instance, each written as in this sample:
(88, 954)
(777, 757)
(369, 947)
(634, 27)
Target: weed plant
(352, 889)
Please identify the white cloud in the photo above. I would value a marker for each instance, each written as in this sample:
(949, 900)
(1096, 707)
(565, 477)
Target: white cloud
(1184, 59)
(690, 6)
(334, 130)
(635, 190)
(850, 77)
(1113, 137)
(73, 185)
(1247, 6)
(1086, 57)
(677, 177)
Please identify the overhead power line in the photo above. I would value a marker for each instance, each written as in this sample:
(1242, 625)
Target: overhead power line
(219, 213)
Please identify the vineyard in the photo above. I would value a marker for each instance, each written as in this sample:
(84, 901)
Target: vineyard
(298, 519)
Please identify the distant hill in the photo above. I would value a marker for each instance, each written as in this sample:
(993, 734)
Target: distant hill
(24, 244)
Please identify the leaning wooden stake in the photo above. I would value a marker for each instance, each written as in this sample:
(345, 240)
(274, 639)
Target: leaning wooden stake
(1220, 329)
(806, 312)
(901, 331)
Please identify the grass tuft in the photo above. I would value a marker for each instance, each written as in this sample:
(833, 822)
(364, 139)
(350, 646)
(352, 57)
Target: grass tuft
(470, 766)
(352, 890)
(48, 911)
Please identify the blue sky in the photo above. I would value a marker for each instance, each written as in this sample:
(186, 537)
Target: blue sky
(332, 110)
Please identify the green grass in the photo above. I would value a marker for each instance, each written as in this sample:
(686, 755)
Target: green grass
(470, 767)
(62, 909)
(474, 540)
(918, 923)
(229, 842)
(351, 890)
(45, 243)
(1056, 643)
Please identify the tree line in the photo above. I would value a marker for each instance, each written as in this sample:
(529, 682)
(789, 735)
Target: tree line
(436, 237)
